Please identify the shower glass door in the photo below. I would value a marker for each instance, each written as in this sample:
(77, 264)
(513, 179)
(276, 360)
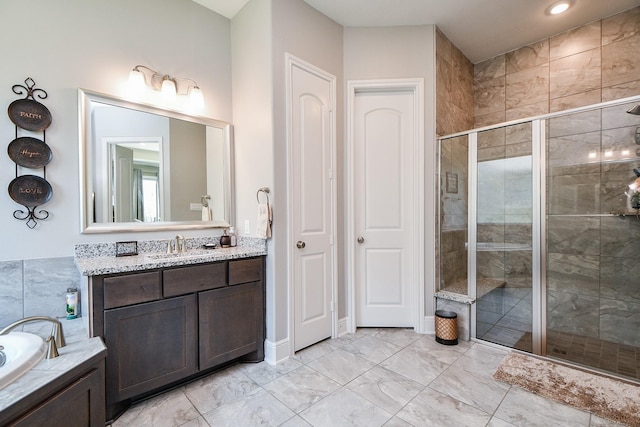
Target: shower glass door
(504, 233)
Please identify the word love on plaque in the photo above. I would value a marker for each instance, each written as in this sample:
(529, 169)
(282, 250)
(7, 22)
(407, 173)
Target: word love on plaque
(29, 152)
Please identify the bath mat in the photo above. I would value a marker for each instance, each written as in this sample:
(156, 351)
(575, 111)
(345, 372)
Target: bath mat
(606, 397)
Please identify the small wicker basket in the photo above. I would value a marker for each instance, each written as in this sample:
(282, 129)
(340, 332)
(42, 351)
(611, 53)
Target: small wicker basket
(446, 327)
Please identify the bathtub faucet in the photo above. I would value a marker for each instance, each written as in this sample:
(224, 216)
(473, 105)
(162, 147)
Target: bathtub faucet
(58, 334)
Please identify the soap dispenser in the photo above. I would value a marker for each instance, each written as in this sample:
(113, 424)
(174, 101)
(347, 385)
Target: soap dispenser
(225, 239)
(233, 238)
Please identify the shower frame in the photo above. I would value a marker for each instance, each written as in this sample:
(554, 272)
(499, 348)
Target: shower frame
(539, 203)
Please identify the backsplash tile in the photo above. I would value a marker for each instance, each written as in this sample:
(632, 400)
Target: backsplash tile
(45, 284)
(11, 292)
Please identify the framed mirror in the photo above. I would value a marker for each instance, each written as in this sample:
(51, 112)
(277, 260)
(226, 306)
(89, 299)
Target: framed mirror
(144, 168)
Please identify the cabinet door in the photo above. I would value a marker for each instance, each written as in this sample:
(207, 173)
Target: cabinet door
(80, 404)
(231, 323)
(150, 345)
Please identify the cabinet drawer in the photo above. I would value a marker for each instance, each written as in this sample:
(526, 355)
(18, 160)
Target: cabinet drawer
(131, 289)
(245, 271)
(184, 280)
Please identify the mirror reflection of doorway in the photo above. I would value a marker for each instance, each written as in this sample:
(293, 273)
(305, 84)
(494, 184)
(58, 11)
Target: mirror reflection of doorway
(134, 185)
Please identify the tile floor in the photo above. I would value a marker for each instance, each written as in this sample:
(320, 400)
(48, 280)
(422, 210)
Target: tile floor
(375, 377)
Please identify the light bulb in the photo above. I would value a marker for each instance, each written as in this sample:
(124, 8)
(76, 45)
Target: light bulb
(168, 89)
(136, 81)
(196, 98)
(559, 7)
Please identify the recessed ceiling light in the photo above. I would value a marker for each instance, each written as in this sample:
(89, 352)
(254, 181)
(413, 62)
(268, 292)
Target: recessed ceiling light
(559, 7)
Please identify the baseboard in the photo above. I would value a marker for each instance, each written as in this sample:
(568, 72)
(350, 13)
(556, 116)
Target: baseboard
(276, 352)
(342, 326)
(429, 324)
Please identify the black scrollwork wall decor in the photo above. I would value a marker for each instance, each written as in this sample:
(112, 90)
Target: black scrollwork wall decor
(29, 152)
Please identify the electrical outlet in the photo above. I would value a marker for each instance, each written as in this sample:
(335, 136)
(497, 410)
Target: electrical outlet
(195, 206)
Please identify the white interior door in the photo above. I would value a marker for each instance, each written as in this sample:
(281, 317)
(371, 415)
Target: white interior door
(384, 140)
(311, 144)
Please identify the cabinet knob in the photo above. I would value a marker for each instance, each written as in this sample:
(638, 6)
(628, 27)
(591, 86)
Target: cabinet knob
(300, 244)
(360, 239)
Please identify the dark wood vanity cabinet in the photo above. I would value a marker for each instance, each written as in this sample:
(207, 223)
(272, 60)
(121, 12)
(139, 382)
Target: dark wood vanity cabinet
(168, 325)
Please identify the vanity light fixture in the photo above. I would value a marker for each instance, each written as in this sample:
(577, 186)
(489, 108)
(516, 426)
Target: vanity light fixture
(142, 76)
(559, 7)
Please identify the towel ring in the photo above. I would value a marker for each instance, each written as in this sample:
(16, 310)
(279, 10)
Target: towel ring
(266, 192)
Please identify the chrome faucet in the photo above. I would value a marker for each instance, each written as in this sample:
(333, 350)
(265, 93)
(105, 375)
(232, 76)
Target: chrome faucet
(58, 340)
(181, 244)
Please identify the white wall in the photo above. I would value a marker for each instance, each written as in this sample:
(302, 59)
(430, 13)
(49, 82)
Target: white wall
(75, 44)
(402, 52)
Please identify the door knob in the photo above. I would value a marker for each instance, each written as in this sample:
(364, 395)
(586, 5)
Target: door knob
(360, 239)
(301, 244)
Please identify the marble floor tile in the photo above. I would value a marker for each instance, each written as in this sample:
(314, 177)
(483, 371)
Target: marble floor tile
(415, 363)
(386, 389)
(345, 408)
(169, 409)
(341, 366)
(522, 408)
(210, 392)
(431, 408)
(371, 348)
(301, 388)
(256, 408)
(390, 377)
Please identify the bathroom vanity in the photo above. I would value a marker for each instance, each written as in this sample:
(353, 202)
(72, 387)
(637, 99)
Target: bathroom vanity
(167, 321)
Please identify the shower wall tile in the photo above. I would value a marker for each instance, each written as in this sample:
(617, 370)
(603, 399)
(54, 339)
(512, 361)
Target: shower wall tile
(579, 274)
(620, 61)
(489, 69)
(45, 283)
(492, 233)
(616, 116)
(573, 149)
(575, 74)
(573, 124)
(517, 150)
(620, 237)
(593, 63)
(616, 176)
(527, 57)
(492, 138)
(620, 321)
(573, 313)
(11, 292)
(517, 134)
(518, 268)
(454, 88)
(621, 139)
(529, 110)
(575, 41)
(573, 235)
(619, 279)
(491, 264)
(621, 90)
(575, 101)
(489, 96)
(573, 194)
(518, 233)
(530, 86)
(491, 153)
(621, 26)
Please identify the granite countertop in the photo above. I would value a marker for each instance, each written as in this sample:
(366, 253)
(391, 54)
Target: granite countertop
(100, 260)
(78, 350)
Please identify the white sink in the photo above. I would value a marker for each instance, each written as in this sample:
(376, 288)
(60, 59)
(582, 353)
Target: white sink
(23, 351)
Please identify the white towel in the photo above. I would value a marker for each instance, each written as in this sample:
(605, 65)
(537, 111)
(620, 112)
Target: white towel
(263, 227)
(206, 213)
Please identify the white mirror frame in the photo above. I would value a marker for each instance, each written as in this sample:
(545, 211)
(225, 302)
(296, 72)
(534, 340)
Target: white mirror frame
(85, 97)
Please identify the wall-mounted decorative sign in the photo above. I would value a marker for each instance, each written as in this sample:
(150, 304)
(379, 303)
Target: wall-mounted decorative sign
(28, 152)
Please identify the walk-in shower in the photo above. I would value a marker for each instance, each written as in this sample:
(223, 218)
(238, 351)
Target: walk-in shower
(538, 229)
